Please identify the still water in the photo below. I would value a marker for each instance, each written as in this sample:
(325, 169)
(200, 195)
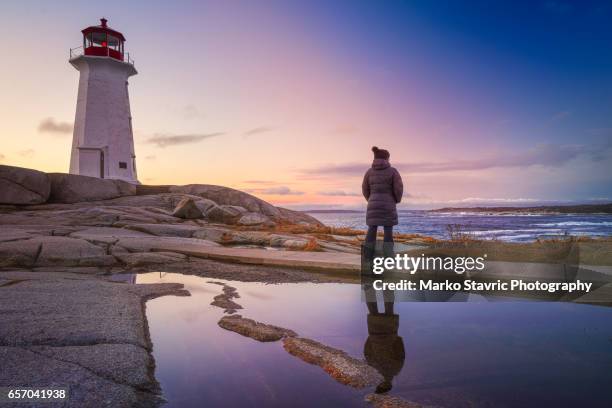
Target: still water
(506, 354)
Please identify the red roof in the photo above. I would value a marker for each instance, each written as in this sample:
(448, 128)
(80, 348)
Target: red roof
(103, 28)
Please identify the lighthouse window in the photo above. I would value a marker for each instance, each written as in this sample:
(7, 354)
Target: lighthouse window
(122, 165)
(99, 39)
(113, 43)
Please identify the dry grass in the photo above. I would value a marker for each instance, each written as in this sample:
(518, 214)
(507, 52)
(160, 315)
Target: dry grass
(312, 246)
(414, 237)
(327, 233)
(316, 229)
(591, 251)
(587, 251)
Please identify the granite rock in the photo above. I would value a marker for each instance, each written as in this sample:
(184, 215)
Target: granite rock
(23, 186)
(253, 329)
(73, 188)
(187, 209)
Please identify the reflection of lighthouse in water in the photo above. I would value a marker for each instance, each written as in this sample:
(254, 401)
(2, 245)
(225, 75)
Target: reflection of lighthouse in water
(103, 143)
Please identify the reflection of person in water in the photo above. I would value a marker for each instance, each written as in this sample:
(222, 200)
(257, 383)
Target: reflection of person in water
(384, 349)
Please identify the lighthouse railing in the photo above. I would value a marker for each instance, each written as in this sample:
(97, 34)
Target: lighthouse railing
(75, 52)
(78, 51)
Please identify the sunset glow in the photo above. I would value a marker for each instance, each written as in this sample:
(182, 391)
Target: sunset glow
(285, 101)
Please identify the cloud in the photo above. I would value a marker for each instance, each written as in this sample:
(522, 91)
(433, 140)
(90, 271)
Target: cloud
(164, 140)
(50, 125)
(26, 153)
(600, 131)
(258, 130)
(547, 155)
(2, 157)
(339, 193)
(481, 200)
(191, 112)
(150, 157)
(561, 115)
(259, 182)
(280, 190)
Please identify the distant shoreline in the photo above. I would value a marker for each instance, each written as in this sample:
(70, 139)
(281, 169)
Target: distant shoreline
(333, 211)
(544, 209)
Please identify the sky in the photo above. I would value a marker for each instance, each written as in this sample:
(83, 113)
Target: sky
(479, 102)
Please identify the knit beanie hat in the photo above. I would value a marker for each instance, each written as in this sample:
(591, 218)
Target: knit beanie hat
(380, 153)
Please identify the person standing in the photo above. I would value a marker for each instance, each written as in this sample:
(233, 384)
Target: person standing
(382, 187)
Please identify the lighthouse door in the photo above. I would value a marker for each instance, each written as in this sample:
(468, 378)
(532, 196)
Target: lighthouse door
(101, 164)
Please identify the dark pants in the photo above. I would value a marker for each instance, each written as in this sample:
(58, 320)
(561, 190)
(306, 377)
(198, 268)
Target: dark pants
(373, 229)
(371, 239)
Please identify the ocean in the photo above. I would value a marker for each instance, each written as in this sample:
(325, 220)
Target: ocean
(503, 227)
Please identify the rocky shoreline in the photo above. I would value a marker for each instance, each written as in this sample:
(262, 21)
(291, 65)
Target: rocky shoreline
(77, 327)
(67, 220)
(543, 209)
(81, 331)
(64, 321)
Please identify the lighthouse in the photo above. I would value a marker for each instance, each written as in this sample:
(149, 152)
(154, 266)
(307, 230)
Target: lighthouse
(103, 142)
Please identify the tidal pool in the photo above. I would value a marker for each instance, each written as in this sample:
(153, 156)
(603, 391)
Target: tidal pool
(495, 354)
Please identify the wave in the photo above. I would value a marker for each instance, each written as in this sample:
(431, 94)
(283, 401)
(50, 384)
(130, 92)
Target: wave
(535, 232)
(576, 224)
(504, 227)
(485, 214)
(518, 237)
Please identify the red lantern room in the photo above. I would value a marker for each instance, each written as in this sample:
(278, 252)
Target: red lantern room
(102, 41)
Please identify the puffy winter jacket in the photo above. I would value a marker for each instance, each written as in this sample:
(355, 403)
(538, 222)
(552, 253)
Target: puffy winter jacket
(383, 188)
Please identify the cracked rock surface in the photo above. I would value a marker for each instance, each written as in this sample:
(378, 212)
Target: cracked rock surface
(255, 330)
(23, 186)
(90, 222)
(224, 300)
(81, 332)
(337, 363)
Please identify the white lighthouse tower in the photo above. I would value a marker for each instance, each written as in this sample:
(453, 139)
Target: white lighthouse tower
(103, 143)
